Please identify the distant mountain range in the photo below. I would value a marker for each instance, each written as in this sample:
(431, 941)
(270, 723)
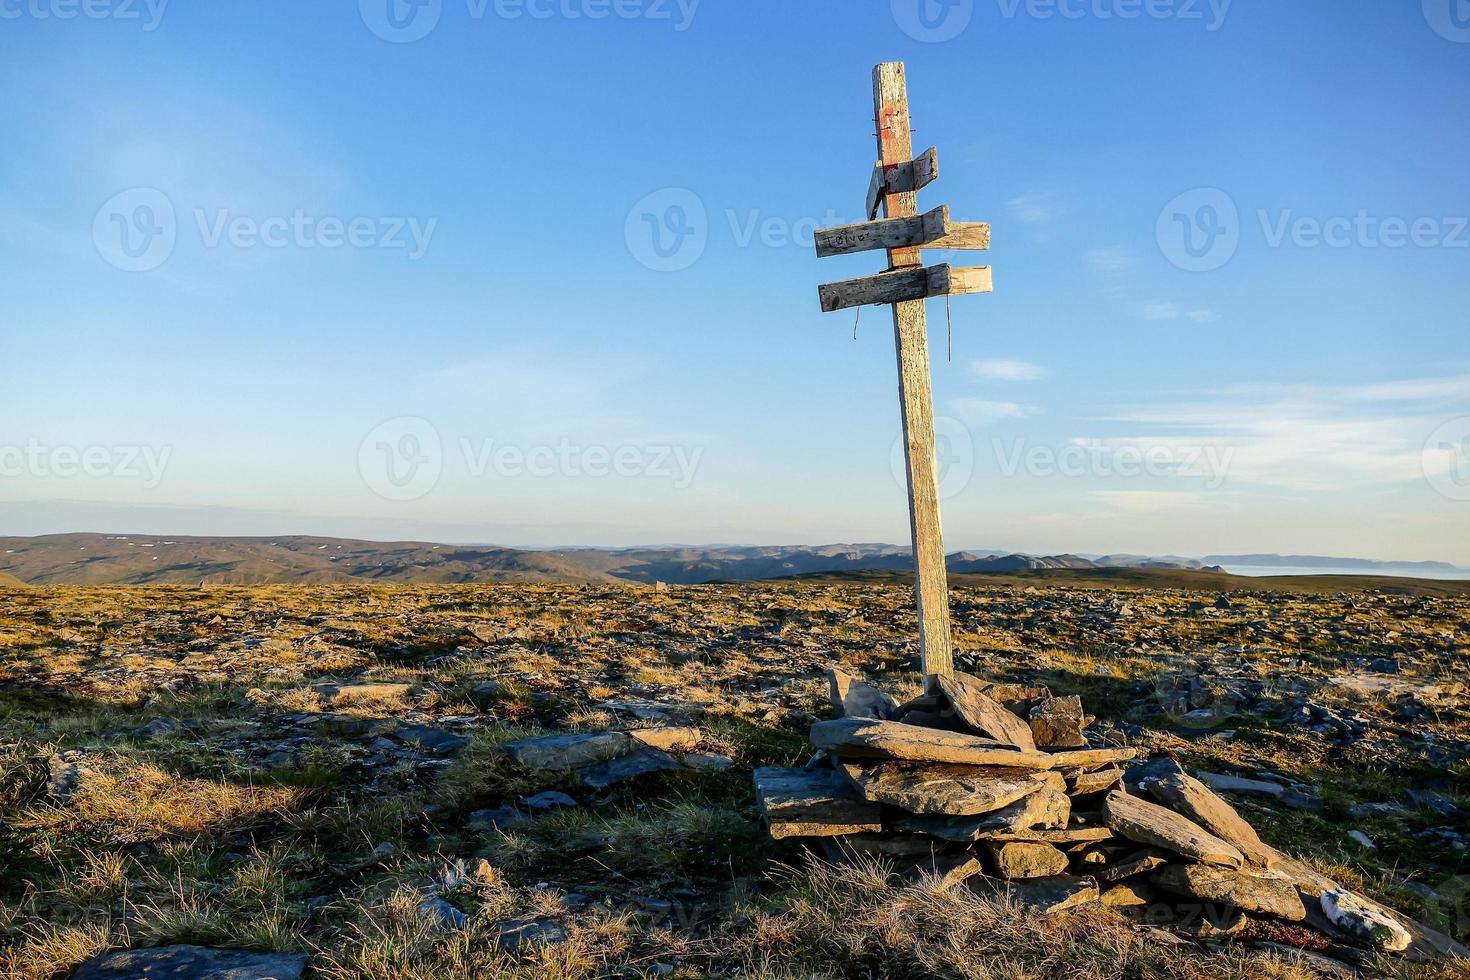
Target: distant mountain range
(110, 559)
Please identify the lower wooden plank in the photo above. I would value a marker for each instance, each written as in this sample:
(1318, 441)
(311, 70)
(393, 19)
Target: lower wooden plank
(900, 285)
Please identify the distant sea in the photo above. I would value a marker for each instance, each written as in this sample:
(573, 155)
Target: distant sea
(1258, 571)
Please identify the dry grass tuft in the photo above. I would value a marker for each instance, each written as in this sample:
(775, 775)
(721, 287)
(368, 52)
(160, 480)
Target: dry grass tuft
(131, 800)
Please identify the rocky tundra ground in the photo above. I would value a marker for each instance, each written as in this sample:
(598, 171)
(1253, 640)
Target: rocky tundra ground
(335, 781)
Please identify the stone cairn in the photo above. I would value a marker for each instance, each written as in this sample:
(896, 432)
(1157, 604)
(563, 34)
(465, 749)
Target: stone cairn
(994, 787)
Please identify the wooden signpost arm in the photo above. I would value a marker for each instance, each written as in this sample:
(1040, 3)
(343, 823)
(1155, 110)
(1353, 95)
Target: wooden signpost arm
(911, 335)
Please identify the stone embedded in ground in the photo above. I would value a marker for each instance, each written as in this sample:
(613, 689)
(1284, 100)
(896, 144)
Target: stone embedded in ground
(63, 775)
(563, 753)
(952, 790)
(968, 698)
(625, 767)
(441, 916)
(1191, 798)
(1057, 723)
(1087, 783)
(854, 698)
(1366, 921)
(1241, 786)
(431, 739)
(538, 932)
(1055, 894)
(1326, 966)
(667, 737)
(550, 800)
(864, 738)
(1020, 860)
(1147, 823)
(813, 803)
(660, 711)
(192, 963)
(1048, 809)
(498, 819)
(706, 762)
(1253, 890)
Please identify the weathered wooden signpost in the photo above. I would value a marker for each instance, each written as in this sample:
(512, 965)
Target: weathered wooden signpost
(904, 233)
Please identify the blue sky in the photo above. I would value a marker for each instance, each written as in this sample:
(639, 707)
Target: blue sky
(290, 268)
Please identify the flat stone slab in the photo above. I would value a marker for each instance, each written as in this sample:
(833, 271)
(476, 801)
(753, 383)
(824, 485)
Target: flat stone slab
(192, 963)
(950, 869)
(1189, 797)
(1147, 823)
(950, 790)
(1368, 922)
(431, 739)
(625, 767)
(1242, 787)
(854, 698)
(1068, 835)
(983, 713)
(813, 803)
(1047, 809)
(1248, 889)
(1138, 863)
(863, 738)
(1055, 894)
(563, 753)
(1087, 783)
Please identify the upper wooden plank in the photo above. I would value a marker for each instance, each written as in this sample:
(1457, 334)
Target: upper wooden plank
(887, 233)
(913, 175)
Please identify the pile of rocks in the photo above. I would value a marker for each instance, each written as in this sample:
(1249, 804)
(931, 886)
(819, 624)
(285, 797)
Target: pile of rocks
(995, 786)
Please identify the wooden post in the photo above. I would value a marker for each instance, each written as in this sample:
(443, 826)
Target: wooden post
(911, 336)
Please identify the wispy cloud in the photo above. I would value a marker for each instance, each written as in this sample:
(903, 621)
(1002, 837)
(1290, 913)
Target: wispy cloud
(1304, 437)
(978, 412)
(1004, 370)
(1152, 501)
(1162, 310)
(1111, 261)
(1037, 208)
